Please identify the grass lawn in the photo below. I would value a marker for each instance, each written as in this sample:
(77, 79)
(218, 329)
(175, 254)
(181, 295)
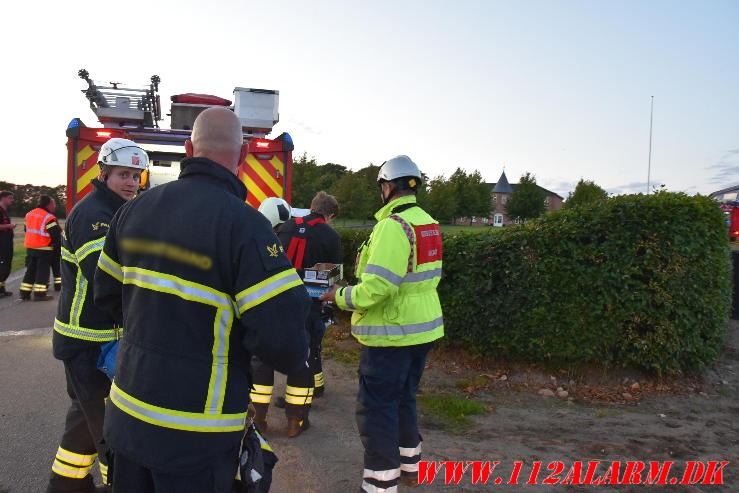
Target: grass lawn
(19, 257)
(19, 251)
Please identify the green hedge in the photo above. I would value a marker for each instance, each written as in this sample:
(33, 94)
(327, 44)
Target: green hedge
(640, 281)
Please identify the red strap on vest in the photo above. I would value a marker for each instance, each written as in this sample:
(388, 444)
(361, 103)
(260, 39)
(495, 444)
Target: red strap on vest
(296, 252)
(296, 248)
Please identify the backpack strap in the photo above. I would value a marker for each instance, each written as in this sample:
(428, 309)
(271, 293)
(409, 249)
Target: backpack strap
(296, 251)
(408, 230)
(296, 248)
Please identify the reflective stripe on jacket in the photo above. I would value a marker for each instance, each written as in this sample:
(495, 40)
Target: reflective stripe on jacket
(79, 322)
(38, 223)
(395, 302)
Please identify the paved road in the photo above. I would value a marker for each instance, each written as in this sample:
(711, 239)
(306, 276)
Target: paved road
(33, 399)
(33, 404)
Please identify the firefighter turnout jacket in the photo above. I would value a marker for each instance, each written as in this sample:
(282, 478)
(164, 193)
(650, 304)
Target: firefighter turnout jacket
(79, 323)
(198, 280)
(395, 302)
(42, 230)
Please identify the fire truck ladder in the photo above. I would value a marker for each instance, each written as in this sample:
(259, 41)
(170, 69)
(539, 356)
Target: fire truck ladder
(117, 106)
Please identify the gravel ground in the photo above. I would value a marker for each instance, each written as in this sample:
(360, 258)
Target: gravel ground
(534, 419)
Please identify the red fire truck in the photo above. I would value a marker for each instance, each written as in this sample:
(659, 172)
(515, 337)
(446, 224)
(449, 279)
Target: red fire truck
(135, 113)
(731, 211)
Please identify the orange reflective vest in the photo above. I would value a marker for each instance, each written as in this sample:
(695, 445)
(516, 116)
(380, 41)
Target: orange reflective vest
(38, 222)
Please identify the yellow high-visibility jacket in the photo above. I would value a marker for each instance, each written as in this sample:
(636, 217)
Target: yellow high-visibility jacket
(395, 302)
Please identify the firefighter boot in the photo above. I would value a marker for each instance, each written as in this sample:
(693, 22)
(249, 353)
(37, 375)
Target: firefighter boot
(297, 419)
(260, 416)
(318, 391)
(42, 296)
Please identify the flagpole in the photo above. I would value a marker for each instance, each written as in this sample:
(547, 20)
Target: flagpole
(649, 165)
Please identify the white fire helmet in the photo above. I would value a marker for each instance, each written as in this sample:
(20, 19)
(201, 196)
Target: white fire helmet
(398, 167)
(123, 152)
(275, 209)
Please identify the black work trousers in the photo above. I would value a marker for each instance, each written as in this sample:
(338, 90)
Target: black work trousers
(82, 440)
(217, 477)
(38, 264)
(6, 260)
(56, 270)
(316, 325)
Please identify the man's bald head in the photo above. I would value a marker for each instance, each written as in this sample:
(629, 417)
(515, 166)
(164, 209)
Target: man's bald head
(217, 135)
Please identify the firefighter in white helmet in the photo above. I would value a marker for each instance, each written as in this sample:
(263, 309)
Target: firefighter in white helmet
(276, 210)
(80, 329)
(307, 240)
(396, 317)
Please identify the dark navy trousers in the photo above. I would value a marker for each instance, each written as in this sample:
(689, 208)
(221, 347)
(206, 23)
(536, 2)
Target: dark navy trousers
(386, 411)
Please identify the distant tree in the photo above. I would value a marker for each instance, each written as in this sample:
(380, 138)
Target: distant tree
(458, 183)
(309, 178)
(586, 192)
(59, 193)
(352, 196)
(527, 200)
(441, 202)
(473, 195)
(357, 193)
(477, 195)
(662, 188)
(26, 197)
(422, 193)
(305, 171)
(330, 173)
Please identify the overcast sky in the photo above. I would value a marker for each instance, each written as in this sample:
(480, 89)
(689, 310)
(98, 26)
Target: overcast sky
(560, 89)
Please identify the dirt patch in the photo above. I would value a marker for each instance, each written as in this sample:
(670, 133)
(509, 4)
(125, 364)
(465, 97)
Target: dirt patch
(534, 419)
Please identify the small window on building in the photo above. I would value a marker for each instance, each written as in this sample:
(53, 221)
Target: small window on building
(498, 220)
